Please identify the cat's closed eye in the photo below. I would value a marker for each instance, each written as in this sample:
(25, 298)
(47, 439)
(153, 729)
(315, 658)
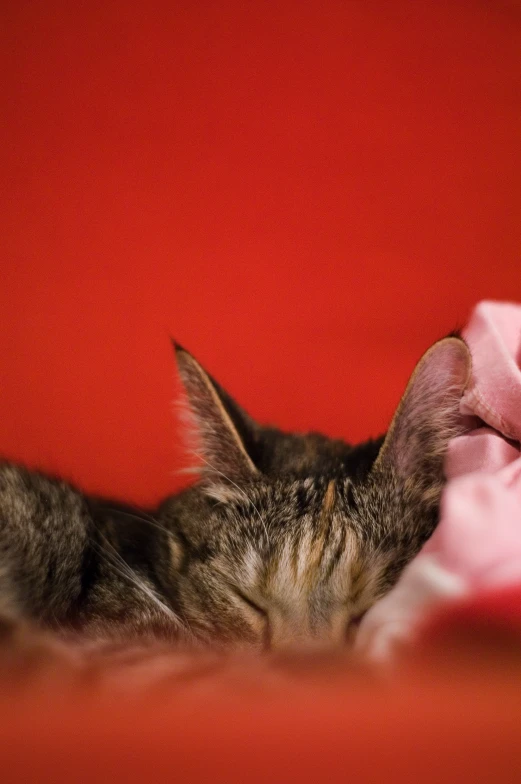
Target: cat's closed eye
(253, 605)
(256, 616)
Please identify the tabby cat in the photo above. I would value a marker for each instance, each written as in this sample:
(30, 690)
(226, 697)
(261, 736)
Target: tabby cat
(284, 540)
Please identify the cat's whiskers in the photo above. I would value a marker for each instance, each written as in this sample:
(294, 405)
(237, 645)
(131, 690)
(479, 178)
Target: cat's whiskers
(126, 571)
(142, 518)
(149, 520)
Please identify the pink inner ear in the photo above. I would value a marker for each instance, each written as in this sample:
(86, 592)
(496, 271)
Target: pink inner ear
(428, 415)
(212, 431)
(444, 369)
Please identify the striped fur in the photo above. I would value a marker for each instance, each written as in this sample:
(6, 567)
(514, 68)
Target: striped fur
(285, 540)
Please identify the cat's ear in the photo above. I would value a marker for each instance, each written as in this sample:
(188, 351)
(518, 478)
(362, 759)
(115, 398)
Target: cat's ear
(428, 415)
(219, 430)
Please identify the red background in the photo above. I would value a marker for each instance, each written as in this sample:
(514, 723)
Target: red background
(305, 194)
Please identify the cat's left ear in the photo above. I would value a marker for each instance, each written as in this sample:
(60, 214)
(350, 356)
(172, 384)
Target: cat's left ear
(221, 431)
(428, 416)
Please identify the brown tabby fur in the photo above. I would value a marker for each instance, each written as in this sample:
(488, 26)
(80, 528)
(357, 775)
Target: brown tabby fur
(285, 540)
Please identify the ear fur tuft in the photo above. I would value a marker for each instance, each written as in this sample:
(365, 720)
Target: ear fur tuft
(210, 427)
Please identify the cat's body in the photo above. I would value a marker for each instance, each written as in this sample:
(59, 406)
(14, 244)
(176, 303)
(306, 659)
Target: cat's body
(71, 561)
(286, 539)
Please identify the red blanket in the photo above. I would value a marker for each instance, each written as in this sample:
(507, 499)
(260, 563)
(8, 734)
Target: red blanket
(451, 714)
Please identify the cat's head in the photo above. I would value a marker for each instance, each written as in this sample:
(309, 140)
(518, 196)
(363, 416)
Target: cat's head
(288, 540)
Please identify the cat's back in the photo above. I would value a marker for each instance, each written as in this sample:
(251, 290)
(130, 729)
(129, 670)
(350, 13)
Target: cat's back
(44, 530)
(25, 493)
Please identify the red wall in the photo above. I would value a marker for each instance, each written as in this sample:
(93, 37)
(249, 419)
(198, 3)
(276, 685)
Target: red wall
(305, 194)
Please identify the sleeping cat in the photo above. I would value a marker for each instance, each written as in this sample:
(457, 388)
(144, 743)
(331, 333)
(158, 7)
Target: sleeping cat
(285, 539)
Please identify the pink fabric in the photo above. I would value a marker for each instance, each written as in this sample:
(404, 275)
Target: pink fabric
(477, 544)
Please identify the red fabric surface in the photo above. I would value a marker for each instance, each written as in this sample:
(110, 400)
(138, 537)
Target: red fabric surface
(306, 195)
(435, 729)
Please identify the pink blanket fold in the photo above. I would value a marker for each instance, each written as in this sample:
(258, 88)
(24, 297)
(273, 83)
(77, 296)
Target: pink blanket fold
(477, 544)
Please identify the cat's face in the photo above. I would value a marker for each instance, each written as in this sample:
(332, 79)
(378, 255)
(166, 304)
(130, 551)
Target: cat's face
(290, 562)
(295, 556)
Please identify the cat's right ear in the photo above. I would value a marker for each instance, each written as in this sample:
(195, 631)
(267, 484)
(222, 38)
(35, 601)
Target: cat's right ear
(220, 432)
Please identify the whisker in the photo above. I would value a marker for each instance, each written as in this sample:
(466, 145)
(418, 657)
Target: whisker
(115, 559)
(149, 520)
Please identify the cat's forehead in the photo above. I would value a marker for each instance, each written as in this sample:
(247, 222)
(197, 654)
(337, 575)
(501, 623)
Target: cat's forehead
(298, 495)
(306, 553)
(291, 522)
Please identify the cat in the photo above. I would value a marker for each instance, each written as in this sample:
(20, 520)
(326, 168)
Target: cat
(285, 540)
